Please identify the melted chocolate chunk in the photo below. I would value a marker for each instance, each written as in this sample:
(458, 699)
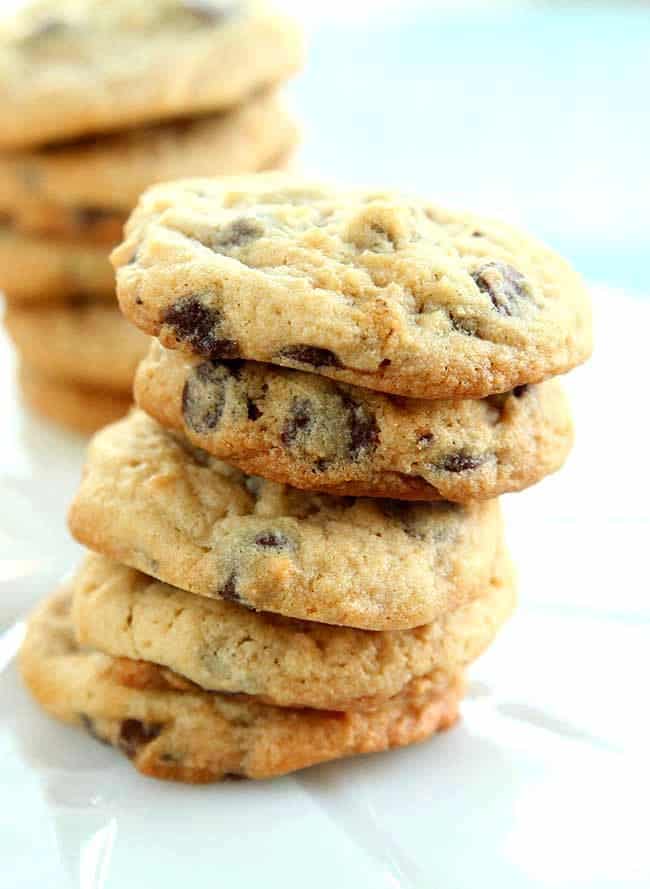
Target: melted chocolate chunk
(520, 391)
(364, 432)
(229, 589)
(506, 287)
(236, 234)
(135, 734)
(254, 413)
(273, 540)
(299, 419)
(197, 324)
(312, 355)
(204, 396)
(460, 462)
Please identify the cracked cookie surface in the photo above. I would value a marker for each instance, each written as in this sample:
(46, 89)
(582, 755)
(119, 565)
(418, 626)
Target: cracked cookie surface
(369, 288)
(172, 729)
(76, 67)
(316, 434)
(223, 647)
(153, 502)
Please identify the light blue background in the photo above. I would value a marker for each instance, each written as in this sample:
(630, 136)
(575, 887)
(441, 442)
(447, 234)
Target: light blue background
(539, 116)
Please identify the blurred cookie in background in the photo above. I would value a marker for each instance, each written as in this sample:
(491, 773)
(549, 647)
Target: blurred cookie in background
(80, 408)
(100, 101)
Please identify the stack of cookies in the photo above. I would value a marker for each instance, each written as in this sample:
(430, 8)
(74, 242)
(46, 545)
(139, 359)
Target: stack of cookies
(102, 100)
(297, 542)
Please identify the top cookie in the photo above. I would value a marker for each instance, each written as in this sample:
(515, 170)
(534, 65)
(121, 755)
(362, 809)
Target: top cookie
(370, 288)
(75, 67)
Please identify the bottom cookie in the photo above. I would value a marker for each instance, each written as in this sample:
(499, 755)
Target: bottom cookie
(172, 729)
(80, 408)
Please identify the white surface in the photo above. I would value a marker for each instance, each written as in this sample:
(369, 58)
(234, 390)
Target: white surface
(543, 784)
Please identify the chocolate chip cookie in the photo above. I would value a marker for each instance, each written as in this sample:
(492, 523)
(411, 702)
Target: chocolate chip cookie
(88, 344)
(153, 502)
(70, 68)
(369, 288)
(37, 270)
(288, 663)
(171, 728)
(85, 190)
(316, 434)
(82, 409)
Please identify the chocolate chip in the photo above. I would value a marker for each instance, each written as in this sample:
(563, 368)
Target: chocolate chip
(79, 301)
(385, 363)
(299, 419)
(460, 462)
(364, 432)
(229, 589)
(312, 355)
(273, 540)
(197, 324)
(253, 485)
(89, 726)
(478, 234)
(322, 465)
(87, 216)
(404, 513)
(236, 234)
(205, 11)
(505, 286)
(254, 413)
(135, 734)
(204, 396)
(519, 391)
(426, 439)
(47, 27)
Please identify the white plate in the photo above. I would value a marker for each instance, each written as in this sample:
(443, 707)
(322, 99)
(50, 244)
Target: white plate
(543, 784)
